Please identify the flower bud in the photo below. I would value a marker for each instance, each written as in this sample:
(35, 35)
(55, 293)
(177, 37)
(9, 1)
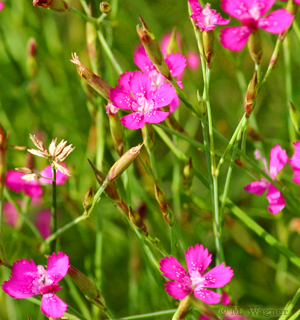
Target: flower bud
(173, 46)
(254, 46)
(251, 94)
(164, 205)
(111, 190)
(116, 128)
(86, 286)
(105, 7)
(188, 174)
(57, 5)
(295, 116)
(123, 163)
(32, 65)
(152, 48)
(101, 86)
(208, 42)
(88, 200)
(137, 221)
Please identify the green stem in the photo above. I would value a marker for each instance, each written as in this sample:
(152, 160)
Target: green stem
(83, 16)
(54, 245)
(149, 315)
(109, 53)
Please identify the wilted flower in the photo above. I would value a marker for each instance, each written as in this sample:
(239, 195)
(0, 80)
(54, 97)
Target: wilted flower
(250, 13)
(278, 159)
(135, 93)
(206, 18)
(56, 154)
(28, 280)
(194, 281)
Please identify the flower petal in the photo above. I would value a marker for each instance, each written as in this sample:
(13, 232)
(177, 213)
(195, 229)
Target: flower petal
(121, 98)
(142, 61)
(124, 80)
(257, 187)
(140, 84)
(295, 160)
(176, 63)
(197, 258)
(43, 222)
(193, 60)
(172, 269)
(207, 296)
(14, 181)
(236, 8)
(52, 306)
(58, 266)
(218, 276)
(155, 116)
(133, 120)
(20, 283)
(276, 200)
(234, 38)
(33, 189)
(164, 95)
(47, 173)
(278, 159)
(277, 21)
(296, 176)
(177, 290)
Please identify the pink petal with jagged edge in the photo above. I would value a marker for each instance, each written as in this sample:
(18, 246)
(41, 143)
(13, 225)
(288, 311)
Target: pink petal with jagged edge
(47, 173)
(257, 187)
(33, 189)
(197, 258)
(276, 200)
(174, 104)
(218, 276)
(133, 120)
(234, 38)
(155, 116)
(295, 160)
(52, 306)
(163, 96)
(176, 63)
(278, 158)
(177, 289)
(277, 21)
(207, 296)
(121, 98)
(140, 84)
(125, 79)
(172, 269)
(236, 8)
(195, 5)
(142, 61)
(58, 266)
(20, 283)
(296, 176)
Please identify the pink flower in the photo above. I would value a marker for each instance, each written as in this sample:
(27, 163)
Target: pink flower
(206, 18)
(176, 63)
(28, 280)
(278, 159)
(1, 5)
(10, 214)
(229, 316)
(295, 162)
(195, 282)
(193, 60)
(15, 182)
(250, 13)
(135, 93)
(43, 222)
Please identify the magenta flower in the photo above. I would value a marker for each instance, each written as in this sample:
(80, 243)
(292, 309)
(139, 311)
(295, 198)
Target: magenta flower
(10, 214)
(43, 222)
(28, 280)
(33, 189)
(229, 316)
(250, 13)
(206, 18)
(135, 93)
(1, 5)
(195, 282)
(278, 159)
(176, 63)
(295, 162)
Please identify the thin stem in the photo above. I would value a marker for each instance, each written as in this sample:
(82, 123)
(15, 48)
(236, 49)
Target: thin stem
(109, 53)
(54, 245)
(83, 16)
(148, 315)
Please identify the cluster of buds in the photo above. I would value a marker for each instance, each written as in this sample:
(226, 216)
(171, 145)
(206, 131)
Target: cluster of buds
(55, 155)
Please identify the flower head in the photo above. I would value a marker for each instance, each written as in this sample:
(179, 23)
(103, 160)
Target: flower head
(194, 281)
(176, 63)
(278, 159)
(28, 280)
(250, 13)
(206, 18)
(56, 154)
(134, 93)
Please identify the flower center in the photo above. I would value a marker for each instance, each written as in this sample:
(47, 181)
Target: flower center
(196, 279)
(143, 105)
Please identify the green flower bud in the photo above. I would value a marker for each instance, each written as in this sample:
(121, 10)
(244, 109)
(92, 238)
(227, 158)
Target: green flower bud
(88, 199)
(295, 116)
(254, 46)
(105, 7)
(137, 221)
(251, 94)
(164, 205)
